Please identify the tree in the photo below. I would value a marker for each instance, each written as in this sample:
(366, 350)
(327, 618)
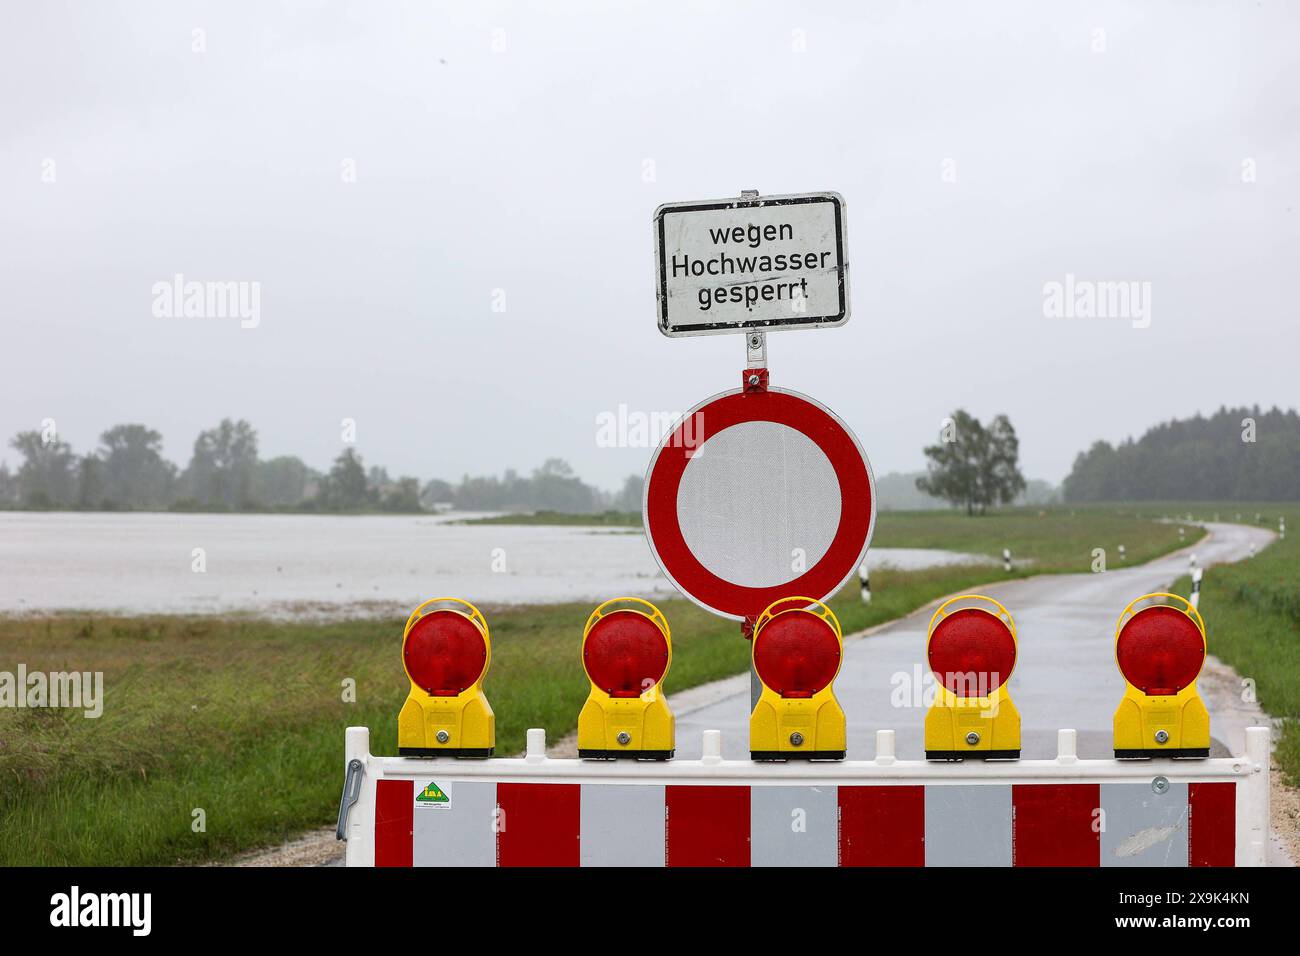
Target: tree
(972, 465)
(282, 482)
(1241, 454)
(554, 487)
(1004, 481)
(46, 478)
(345, 487)
(90, 484)
(9, 493)
(134, 473)
(223, 467)
(629, 498)
(403, 496)
(437, 492)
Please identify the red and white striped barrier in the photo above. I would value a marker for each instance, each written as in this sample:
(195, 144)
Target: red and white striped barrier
(540, 811)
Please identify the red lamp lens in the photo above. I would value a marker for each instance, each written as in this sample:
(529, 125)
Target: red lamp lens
(972, 652)
(796, 654)
(625, 654)
(1160, 650)
(445, 653)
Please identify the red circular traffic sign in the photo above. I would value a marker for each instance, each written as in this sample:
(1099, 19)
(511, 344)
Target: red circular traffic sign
(756, 496)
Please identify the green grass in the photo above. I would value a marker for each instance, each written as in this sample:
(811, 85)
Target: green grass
(1252, 622)
(244, 718)
(1056, 539)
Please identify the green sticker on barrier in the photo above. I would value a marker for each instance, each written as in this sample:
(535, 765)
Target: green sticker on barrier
(433, 796)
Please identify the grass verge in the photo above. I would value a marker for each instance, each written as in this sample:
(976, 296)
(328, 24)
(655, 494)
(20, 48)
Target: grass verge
(1252, 621)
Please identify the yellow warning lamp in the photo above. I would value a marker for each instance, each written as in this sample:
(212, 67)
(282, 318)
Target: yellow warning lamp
(1160, 649)
(446, 650)
(797, 650)
(626, 650)
(971, 648)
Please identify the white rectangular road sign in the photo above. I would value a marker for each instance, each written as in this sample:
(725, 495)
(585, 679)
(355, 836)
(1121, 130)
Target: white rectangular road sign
(731, 265)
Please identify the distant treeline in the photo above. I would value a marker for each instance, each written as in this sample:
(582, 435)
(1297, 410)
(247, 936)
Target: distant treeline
(1237, 454)
(128, 473)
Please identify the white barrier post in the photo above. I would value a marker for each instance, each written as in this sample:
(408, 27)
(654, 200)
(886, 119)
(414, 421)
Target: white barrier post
(360, 849)
(1067, 747)
(535, 748)
(884, 747)
(711, 747)
(1252, 801)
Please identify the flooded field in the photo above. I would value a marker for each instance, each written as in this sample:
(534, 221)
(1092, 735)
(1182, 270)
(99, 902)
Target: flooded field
(277, 565)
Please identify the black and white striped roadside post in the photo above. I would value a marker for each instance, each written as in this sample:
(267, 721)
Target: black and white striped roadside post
(1122, 554)
(1281, 527)
(866, 582)
(1196, 587)
(1191, 560)
(1006, 560)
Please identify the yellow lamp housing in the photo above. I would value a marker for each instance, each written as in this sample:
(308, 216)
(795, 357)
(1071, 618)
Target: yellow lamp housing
(797, 650)
(446, 650)
(971, 647)
(1160, 650)
(627, 648)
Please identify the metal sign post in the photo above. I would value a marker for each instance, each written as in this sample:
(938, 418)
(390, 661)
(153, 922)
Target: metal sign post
(781, 502)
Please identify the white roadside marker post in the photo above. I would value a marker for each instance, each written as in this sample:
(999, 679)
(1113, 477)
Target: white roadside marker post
(1006, 560)
(865, 578)
(1196, 587)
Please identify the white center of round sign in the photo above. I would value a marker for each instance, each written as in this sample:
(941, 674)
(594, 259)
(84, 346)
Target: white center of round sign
(759, 504)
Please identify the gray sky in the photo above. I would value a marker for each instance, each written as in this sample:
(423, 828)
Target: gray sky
(1161, 150)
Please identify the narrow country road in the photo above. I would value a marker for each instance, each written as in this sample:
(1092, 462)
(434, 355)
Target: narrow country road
(1065, 676)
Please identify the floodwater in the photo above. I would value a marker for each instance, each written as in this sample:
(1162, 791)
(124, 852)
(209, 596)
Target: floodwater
(323, 565)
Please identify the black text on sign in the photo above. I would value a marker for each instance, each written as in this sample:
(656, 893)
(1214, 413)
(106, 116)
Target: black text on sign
(733, 265)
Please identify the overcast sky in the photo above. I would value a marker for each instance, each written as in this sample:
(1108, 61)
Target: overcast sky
(983, 150)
